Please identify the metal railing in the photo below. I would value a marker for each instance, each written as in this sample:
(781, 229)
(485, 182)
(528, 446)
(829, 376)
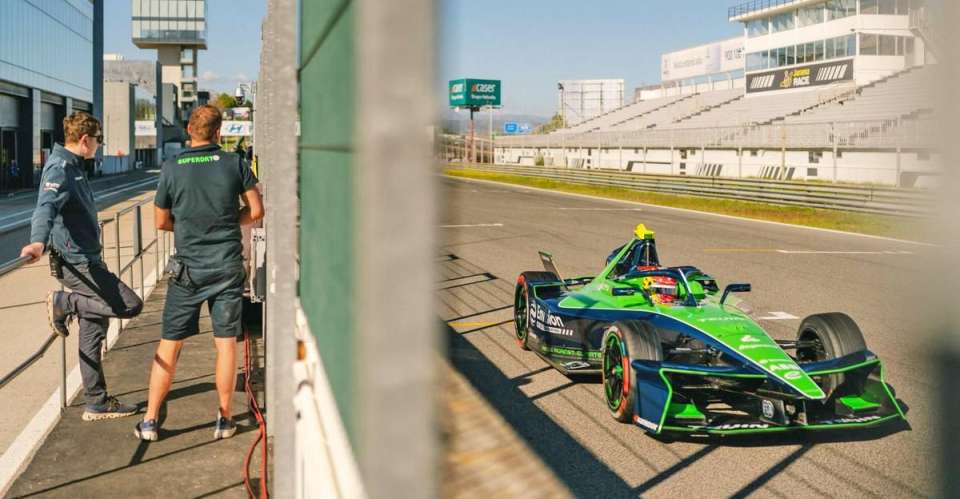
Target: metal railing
(748, 7)
(161, 242)
(864, 199)
(888, 133)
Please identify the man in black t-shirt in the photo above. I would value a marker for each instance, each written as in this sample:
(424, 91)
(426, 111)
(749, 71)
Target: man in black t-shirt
(198, 198)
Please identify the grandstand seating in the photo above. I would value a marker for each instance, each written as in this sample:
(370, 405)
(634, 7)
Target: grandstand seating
(604, 121)
(683, 108)
(903, 95)
(751, 110)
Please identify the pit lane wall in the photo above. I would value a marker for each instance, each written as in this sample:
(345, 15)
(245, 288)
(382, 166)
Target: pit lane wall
(348, 188)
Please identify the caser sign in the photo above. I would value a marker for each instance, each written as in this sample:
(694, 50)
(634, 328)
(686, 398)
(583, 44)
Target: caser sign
(468, 92)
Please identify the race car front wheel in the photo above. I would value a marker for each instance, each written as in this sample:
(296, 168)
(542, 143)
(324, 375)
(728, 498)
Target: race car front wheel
(827, 337)
(521, 303)
(622, 343)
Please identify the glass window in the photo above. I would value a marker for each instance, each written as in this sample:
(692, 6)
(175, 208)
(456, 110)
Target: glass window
(838, 9)
(903, 7)
(908, 46)
(887, 7)
(768, 59)
(791, 55)
(754, 61)
(757, 27)
(781, 59)
(818, 50)
(829, 49)
(164, 9)
(783, 21)
(811, 51)
(809, 16)
(868, 44)
(839, 47)
(888, 45)
(851, 45)
(869, 7)
(136, 8)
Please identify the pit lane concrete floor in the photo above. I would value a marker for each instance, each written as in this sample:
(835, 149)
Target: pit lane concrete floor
(104, 459)
(491, 233)
(23, 321)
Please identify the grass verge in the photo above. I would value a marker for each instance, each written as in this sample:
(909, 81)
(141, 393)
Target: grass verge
(878, 225)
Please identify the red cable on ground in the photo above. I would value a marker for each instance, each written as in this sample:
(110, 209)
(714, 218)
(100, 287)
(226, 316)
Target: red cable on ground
(262, 436)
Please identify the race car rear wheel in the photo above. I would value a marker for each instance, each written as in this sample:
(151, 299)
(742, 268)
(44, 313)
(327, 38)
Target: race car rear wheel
(521, 303)
(832, 336)
(622, 343)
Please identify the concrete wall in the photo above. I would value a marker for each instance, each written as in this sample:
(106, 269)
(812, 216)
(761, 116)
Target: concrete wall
(881, 167)
(118, 118)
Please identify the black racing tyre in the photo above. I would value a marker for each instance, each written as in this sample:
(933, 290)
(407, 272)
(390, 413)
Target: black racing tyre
(521, 303)
(624, 342)
(833, 335)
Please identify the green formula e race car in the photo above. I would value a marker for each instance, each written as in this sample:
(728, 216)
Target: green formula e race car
(677, 354)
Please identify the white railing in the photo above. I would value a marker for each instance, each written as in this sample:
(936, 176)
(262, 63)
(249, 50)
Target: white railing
(881, 134)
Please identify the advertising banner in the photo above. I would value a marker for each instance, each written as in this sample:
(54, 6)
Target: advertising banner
(713, 58)
(468, 92)
(145, 128)
(811, 75)
(236, 129)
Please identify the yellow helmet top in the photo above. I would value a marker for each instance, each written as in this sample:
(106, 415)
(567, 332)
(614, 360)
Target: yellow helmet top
(643, 233)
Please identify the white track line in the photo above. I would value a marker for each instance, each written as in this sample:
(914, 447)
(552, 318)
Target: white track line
(469, 225)
(818, 252)
(778, 316)
(98, 197)
(685, 210)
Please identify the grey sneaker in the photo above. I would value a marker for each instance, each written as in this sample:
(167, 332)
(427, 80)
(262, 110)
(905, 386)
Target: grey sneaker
(57, 313)
(225, 428)
(111, 409)
(148, 430)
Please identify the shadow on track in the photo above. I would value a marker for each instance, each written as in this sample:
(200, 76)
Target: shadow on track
(578, 468)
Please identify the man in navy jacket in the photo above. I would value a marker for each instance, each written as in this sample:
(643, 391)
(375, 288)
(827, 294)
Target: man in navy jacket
(65, 222)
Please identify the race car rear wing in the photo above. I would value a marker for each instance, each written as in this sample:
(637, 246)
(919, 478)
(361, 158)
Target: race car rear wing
(550, 266)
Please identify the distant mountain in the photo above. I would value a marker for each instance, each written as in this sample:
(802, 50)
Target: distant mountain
(459, 123)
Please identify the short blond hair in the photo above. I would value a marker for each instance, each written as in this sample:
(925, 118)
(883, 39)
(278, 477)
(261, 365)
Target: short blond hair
(79, 124)
(204, 123)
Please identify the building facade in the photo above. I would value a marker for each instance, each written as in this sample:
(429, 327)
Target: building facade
(177, 29)
(49, 67)
(807, 43)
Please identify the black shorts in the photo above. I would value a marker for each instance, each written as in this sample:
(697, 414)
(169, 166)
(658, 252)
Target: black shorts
(221, 289)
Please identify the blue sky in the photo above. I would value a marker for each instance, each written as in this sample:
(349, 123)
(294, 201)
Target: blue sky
(532, 44)
(233, 40)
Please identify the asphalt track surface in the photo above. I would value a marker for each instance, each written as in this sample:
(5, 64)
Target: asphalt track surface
(492, 232)
(16, 210)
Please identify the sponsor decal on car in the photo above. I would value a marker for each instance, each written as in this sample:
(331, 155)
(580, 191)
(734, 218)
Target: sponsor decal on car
(767, 406)
(51, 186)
(862, 419)
(738, 426)
(542, 319)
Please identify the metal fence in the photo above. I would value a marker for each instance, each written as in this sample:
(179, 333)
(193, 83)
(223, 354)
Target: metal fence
(162, 245)
(864, 199)
(890, 134)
